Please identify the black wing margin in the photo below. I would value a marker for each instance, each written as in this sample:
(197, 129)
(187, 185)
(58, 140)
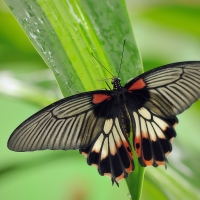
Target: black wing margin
(69, 123)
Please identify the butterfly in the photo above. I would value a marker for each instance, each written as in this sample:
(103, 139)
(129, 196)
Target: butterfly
(99, 123)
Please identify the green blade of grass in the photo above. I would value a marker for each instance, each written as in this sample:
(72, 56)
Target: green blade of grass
(66, 32)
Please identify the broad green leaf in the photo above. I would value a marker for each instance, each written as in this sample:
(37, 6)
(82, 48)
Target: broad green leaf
(65, 33)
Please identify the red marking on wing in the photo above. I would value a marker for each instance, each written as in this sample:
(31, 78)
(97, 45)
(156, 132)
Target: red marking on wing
(166, 154)
(130, 169)
(175, 124)
(160, 162)
(126, 144)
(138, 146)
(120, 177)
(98, 98)
(139, 84)
(171, 139)
(148, 162)
(84, 154)
(95, 165)
(130, 153)
(108, 174)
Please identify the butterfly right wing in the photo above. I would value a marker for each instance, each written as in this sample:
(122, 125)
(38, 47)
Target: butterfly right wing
(69, 123)
(153, 100)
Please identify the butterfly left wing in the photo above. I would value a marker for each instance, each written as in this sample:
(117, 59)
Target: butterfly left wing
(153, 101)
(111, 152)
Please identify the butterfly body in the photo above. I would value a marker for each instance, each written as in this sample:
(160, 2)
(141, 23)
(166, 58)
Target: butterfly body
(99, 123)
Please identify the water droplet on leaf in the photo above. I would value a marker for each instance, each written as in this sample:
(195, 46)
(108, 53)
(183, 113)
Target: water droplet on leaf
(129, 195)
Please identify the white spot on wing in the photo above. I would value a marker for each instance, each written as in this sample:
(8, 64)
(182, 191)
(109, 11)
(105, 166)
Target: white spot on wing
(163, 125)
(158, 131)
(151, 132)
(104, 151)
(108, 126)
(97, 146)
(112, 145)
(118, 129)
(143, 127)
(116, 137)
(145, 113)
(137, 131)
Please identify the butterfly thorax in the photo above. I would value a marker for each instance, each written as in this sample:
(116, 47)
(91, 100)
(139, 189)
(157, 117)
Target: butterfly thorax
(116, 83)
(118, 92)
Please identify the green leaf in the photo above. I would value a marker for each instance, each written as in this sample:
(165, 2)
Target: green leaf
(66, 32)
(135, 180)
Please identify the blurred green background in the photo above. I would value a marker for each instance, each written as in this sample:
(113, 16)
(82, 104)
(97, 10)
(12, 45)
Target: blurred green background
(166, 32)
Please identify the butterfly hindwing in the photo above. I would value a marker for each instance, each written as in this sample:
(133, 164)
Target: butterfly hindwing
(153, 136)
(111, 152)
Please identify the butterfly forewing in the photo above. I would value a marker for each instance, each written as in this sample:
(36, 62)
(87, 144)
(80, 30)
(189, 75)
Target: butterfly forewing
(67, 124)
(177, 85)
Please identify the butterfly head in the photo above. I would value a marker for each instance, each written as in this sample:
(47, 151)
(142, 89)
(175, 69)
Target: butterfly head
(116, 83)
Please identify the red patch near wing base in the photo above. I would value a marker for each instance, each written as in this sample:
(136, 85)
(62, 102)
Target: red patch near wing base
(98, 98)
(139, 84)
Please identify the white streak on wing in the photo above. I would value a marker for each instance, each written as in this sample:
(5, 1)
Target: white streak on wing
(158, 131)
(143, 128)
(112, 145)
(72, 107)
(116, 137)
(163, 125)
(152, 134)
(145, 113)
(108, 126)
(119, 131)
(137, 125)
(160, 78)
(104, 151)
(97, 146)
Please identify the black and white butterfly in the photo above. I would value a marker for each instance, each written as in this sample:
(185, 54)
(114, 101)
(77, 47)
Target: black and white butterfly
(99, 122)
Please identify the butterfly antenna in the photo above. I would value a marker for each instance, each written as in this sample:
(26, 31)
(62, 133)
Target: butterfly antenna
(121, 58)
(101, 64)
